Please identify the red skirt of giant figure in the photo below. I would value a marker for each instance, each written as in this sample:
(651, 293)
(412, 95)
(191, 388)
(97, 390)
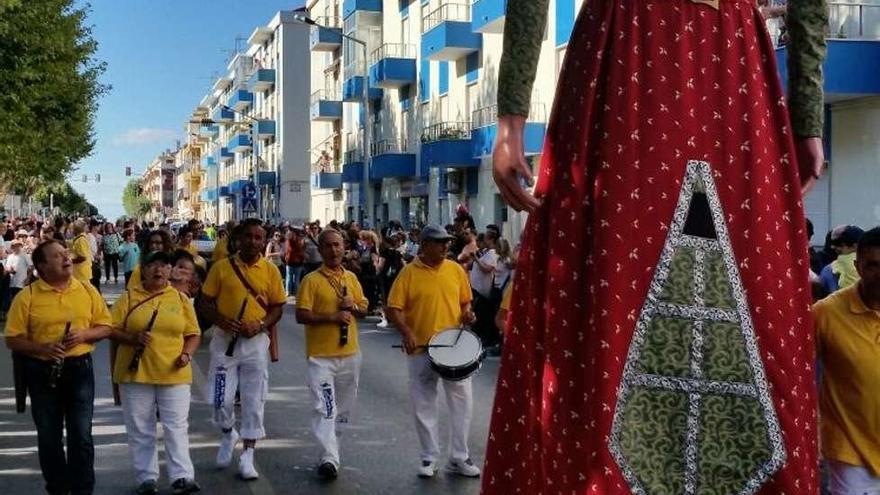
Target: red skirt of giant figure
(660, 339)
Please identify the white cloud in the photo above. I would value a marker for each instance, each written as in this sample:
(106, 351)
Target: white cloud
(144, 135)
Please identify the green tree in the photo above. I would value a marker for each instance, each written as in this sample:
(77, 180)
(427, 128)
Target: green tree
(50, 91)
(66, 199)
(135, 204)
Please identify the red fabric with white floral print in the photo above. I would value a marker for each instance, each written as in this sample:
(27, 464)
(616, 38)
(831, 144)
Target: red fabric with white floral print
(646, 87)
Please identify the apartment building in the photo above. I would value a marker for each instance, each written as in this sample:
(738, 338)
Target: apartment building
(254, 157)
(158, 183)
(431, 78)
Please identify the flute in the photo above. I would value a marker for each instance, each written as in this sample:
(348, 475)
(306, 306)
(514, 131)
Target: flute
(139, 352)
(58, 365)
(343, 329)
(230, 349)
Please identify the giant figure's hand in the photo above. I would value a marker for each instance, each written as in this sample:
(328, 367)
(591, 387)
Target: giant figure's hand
(811, 160)
(509, 164)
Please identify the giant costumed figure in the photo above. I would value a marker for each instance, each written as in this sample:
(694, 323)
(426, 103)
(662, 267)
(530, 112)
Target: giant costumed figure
(660, 340)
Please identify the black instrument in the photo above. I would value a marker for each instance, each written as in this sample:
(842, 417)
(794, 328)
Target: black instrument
(139, 352)
(230, 349)
(58, 365)
(343, 328)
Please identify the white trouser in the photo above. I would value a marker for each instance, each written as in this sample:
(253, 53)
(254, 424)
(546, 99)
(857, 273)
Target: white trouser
(846, 479)
(247, 370)
(334, 386)
(423, 387)
(139, 403)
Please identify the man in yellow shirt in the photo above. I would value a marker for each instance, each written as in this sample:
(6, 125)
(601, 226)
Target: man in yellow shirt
(429, 295)
(244, 296)
(848, 337)
(328, 301)
(81, 253)
(52, 326)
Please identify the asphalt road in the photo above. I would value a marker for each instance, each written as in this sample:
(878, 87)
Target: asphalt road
(380, 451)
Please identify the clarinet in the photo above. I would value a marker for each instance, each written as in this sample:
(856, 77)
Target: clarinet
(343, 329)
(58, 365)
(139, 352)
(230, 349)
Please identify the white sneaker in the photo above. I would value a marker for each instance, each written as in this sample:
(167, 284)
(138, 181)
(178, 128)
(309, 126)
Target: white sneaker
(465, 468)
(427, 469)
(227, 447)
(246, 468)
(382, 324)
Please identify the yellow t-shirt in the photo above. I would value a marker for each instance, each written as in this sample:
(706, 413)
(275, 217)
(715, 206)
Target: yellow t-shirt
(223, 284)
(175, 320)
(221, 250)
(317, 294)
(40, 312)
(430, 298)
(135, 279)
(191, 249)
(80, 247)
(848, 337)
(505, 299)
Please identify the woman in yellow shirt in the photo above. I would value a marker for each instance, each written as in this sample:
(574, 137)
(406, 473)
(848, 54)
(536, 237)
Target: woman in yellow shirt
(156, 330)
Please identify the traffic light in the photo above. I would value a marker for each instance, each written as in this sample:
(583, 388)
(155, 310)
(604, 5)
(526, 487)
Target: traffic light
(85, 178)
(97, 177)
(128, 171)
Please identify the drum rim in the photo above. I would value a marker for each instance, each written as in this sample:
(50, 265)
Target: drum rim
(476, 361)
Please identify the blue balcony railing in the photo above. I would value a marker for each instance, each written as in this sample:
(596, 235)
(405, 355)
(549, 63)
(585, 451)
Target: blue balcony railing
(487, 16)
(485, 130)
(349, 7)
(325, 106)
(353, 90)
(393, 65)
(447, 33)
(209, 131)
(265, 128)
(224, 192)
(236, 186)
(239, 142)
(448, 145)
(225, 155)
(223, 114)
(209, 195)
(209, 162)
(327, 36)
(390, 159)
(240, 100)
(327, 176)
(262, 80)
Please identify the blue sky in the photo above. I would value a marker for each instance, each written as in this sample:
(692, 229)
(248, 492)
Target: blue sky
(162, 57)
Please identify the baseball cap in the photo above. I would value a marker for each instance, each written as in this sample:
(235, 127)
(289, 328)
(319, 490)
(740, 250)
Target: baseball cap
(435, 233)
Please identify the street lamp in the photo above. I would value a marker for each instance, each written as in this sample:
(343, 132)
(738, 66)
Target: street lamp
(365, 189)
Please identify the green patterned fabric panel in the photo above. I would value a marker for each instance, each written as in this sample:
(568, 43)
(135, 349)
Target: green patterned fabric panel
(666, 350)
(679, 286)
(724, 353)
(718, 293)
(653, 438)
(733, 443)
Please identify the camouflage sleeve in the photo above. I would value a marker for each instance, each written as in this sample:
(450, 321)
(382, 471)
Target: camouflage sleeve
(807, 22)
(523, 34)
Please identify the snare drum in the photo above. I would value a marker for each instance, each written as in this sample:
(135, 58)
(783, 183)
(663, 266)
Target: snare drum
(455, 353)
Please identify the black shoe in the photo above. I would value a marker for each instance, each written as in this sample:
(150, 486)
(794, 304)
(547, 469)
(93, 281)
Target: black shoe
(148, 487)
(327, 471)
(184, 486)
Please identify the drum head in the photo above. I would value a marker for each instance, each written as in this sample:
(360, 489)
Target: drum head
(466, 351)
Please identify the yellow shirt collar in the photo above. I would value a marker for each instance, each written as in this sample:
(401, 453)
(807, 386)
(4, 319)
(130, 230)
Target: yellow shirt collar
(856, 304)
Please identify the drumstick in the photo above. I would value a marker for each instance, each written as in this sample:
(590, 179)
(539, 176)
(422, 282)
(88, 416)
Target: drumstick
(398, 346)
(230, 349)
(460, 331)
